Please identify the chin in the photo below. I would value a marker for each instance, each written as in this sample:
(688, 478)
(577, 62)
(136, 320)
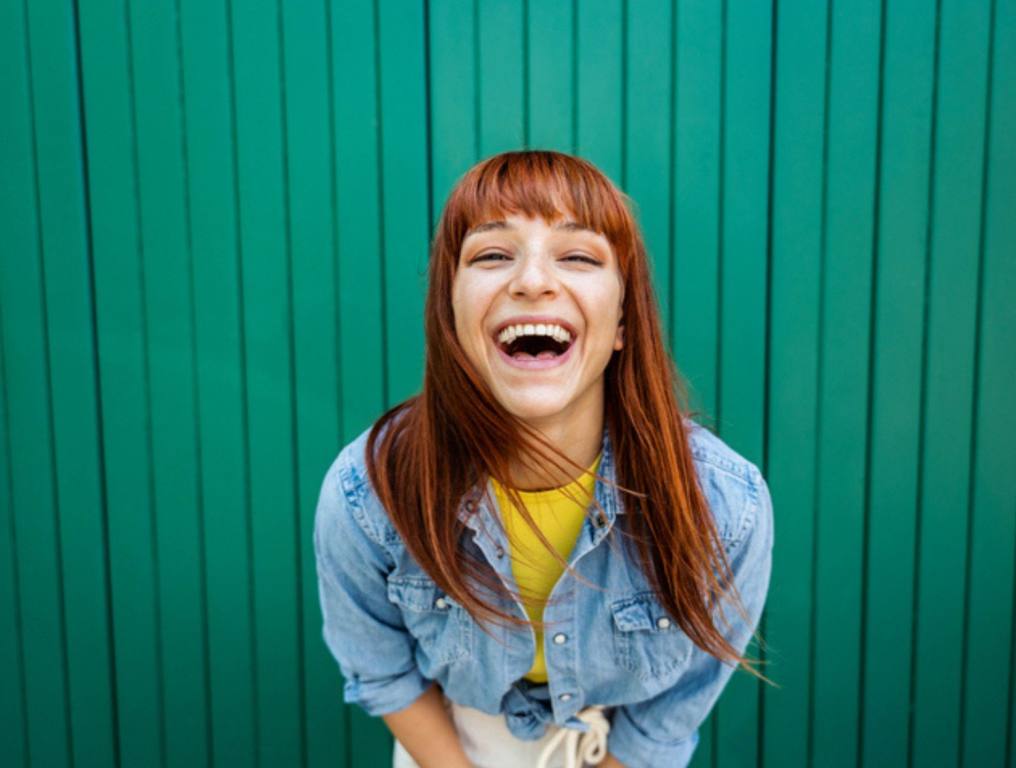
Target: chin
(534, 410)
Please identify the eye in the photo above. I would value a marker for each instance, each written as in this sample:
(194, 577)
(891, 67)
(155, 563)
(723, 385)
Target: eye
(581, 257)
(492, 255)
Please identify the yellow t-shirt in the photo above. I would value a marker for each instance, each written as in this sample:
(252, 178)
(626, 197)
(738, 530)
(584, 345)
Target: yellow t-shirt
(534, 568)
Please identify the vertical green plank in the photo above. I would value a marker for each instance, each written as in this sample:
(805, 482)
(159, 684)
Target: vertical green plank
(647, 136)
(694, 314)
(740, 396)
(361, 315)
(949, 379)
(17, 196)
(13, 733)
(311, 163)
(599, 88)
(123, 354)
(851, 135)
(361, 312)
(796, 253)
(500, 44)
(404, 186)
(550, 114)
(990, 591)
(908, 73)
(267, 319)
(62, 213)
(453, 92)
(744, 227)
(34, 500)
(205, 51)
(168, 302)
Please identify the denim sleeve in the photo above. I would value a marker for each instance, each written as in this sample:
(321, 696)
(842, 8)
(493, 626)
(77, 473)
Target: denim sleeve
(362, 629)
(663, 730)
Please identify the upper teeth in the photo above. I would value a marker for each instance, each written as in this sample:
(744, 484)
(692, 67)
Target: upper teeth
(512, 332)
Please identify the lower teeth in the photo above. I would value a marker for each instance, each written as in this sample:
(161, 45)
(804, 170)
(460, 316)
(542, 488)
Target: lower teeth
(545, 355)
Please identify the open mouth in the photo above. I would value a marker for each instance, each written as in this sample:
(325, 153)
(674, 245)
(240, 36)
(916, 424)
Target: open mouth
(535, 346)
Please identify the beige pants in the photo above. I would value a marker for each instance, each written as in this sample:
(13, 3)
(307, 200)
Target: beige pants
(488, 743)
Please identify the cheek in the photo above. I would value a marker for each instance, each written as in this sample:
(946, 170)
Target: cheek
(468, 309)
(604, 305)
(459, 311)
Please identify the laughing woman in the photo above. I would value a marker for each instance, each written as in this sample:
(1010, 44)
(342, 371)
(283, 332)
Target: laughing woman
(541, 560)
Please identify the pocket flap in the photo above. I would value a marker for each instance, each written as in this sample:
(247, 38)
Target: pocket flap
(416, 594)
(641, 612)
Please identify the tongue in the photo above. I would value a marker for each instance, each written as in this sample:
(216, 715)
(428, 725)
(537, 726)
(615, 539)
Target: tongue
(545, 355)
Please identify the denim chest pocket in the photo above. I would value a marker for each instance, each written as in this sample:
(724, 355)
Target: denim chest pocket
(648, 643)
(443, 629)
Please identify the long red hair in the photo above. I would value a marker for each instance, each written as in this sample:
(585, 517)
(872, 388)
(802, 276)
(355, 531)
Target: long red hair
(426, 453)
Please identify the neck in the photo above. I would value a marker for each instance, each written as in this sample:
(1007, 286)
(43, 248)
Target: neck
(579, 439)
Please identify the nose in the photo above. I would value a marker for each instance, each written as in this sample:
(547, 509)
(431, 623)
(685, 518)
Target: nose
(533, 278)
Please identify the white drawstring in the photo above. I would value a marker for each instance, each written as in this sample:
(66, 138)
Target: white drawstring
(580, 746)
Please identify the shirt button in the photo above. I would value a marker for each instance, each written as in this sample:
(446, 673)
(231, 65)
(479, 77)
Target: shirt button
(565, 697)
(560, 638)
(440, 603)
(500, 551)
(663, 622)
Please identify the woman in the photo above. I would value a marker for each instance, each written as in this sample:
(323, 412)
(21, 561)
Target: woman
(541, 559)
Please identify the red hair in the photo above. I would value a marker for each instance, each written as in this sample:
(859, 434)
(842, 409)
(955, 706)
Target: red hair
(426, 453)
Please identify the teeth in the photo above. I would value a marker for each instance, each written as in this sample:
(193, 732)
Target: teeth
(512, 332)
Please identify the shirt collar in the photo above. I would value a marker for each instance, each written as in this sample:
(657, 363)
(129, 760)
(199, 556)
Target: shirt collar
(474, 508)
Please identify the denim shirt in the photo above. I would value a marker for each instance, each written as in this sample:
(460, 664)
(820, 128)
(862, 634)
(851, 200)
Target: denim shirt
(393, 630)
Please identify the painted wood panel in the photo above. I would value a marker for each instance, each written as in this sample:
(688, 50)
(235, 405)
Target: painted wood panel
(215, 219)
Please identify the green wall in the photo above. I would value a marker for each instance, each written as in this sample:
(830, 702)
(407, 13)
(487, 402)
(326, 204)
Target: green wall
(214, 219)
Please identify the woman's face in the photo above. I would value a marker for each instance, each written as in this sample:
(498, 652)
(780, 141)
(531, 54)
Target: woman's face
(559, 287)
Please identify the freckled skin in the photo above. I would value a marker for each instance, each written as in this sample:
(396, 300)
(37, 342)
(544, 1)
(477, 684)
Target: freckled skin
(533, 268)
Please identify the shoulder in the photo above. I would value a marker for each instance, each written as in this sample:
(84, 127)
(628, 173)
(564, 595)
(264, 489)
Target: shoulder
(733, 486)
(347, 504)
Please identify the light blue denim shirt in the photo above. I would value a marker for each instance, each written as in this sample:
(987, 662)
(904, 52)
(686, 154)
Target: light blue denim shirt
(392, 630)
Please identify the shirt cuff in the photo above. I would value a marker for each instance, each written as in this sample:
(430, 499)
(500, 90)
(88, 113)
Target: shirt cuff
(635, 749)
(385, 695)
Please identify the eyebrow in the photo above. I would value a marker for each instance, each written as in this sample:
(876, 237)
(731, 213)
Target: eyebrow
(566, 226)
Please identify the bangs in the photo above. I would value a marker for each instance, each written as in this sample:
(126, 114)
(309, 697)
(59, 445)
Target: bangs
(548, 185)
